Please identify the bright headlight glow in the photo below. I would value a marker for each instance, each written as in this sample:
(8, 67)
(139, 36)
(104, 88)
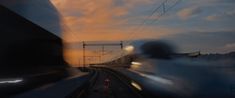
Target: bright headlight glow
(129, 48)
(136, 63)
(10, 81)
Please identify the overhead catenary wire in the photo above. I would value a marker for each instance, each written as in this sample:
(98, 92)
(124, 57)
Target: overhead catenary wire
(160, 10)
(157, 10)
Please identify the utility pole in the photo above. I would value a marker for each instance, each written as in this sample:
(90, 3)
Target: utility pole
(121, 44)
(99, 44)
(84, 54)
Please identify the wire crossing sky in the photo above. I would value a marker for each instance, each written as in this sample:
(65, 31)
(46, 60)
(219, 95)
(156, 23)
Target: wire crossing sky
(192, 25)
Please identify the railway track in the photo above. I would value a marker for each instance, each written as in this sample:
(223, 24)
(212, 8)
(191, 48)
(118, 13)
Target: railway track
(106, 84)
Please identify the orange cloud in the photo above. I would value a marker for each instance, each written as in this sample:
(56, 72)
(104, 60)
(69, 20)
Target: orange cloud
(101, 19)
(189, 12)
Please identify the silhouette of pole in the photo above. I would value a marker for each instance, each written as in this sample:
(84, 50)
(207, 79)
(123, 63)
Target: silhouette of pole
(84, 53)
(121, 44)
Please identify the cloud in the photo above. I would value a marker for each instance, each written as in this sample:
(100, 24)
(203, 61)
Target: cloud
(230, 45)
(134, 3)
(115, 20)
(103, 19)
(227, 47)
(221, 16)
(225, 1)
(212, 17)
(209, 42)
(97, 12)
(189, 12)
(121, 33)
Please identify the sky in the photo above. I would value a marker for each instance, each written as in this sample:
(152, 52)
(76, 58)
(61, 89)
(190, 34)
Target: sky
(206, 25)
(191, 25)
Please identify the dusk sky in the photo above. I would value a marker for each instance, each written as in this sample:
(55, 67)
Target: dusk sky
(191, 25)
(206, 25)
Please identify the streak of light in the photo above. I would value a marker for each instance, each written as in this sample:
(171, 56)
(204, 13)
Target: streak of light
(10, 81)
(155, 78)
(135, 65)
(136, 85)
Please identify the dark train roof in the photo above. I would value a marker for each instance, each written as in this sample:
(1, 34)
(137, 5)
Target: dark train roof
(24, 44)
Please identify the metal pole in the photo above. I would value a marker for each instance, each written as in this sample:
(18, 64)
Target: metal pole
(84, 53)
(103, 49)
(121, 44)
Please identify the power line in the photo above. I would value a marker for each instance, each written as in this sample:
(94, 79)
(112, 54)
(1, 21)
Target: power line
(84, 44)
(161, 10)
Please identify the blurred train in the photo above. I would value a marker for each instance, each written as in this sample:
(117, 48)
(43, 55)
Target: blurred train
(179, 75)
(30, 56)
